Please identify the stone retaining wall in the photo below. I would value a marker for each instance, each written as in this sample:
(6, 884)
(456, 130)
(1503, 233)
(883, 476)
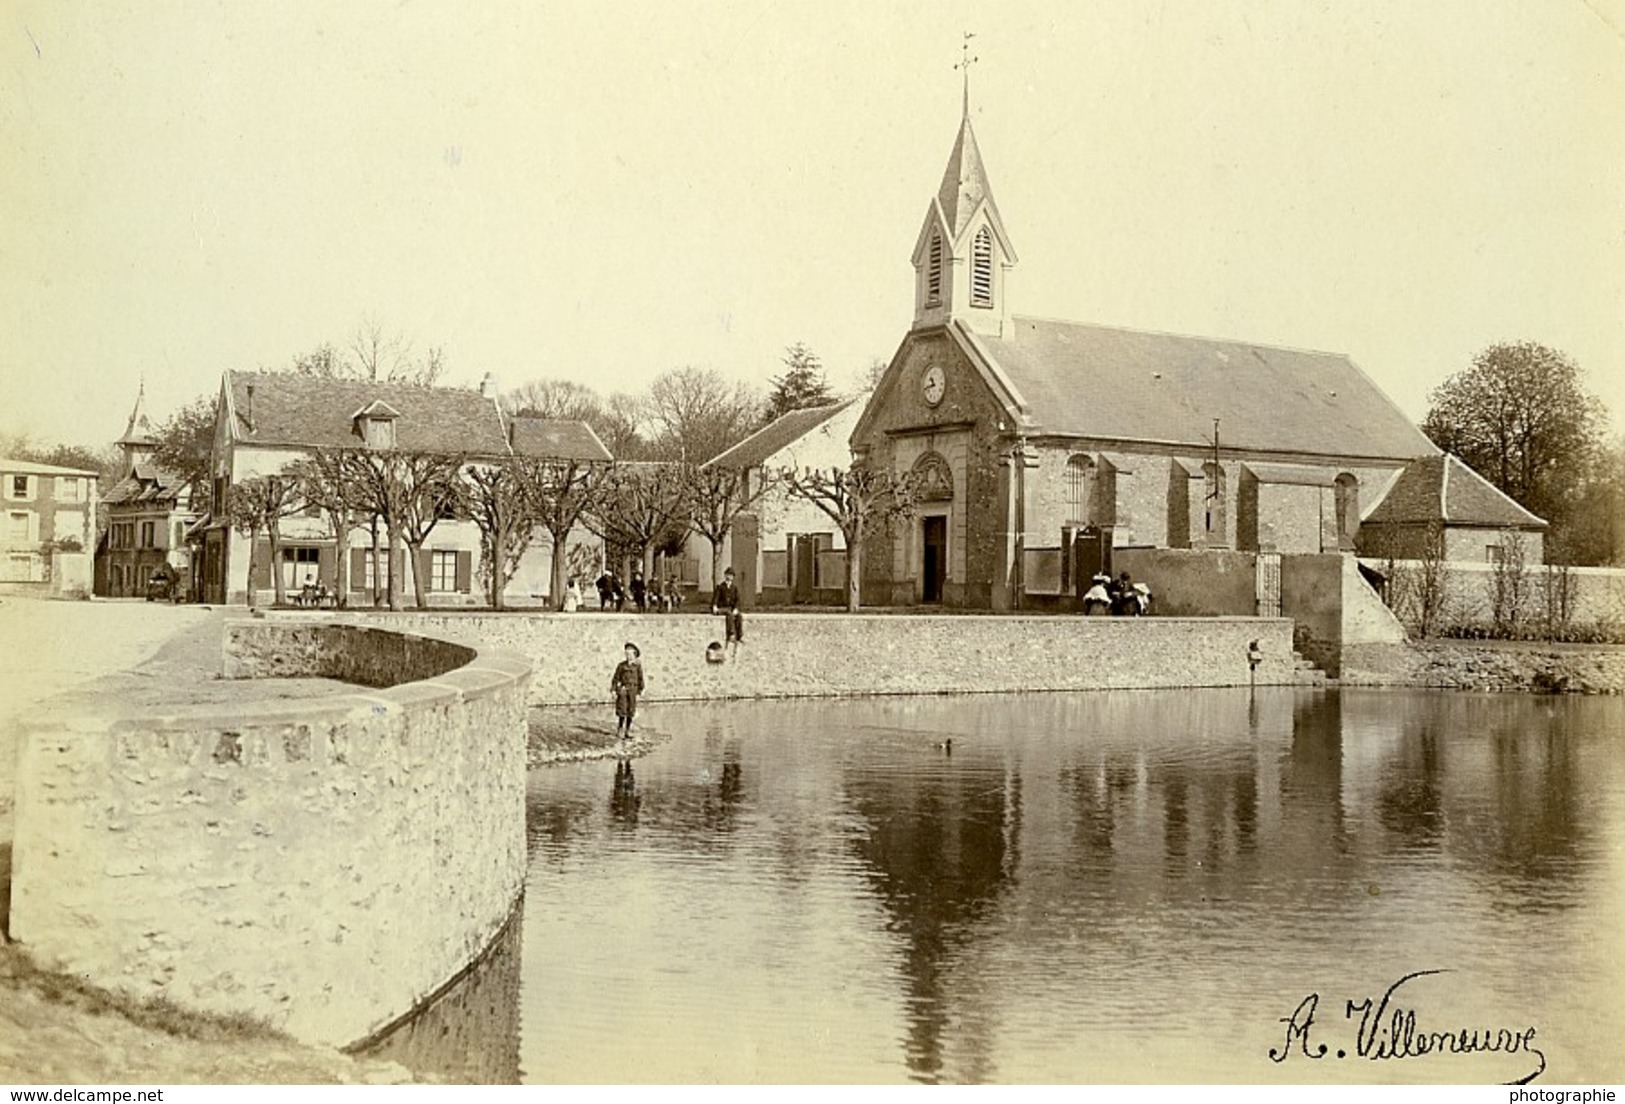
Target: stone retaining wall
(811, 655)
(322, 864)
(1498, 665)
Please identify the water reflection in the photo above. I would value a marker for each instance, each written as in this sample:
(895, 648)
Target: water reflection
(937, 848)
(1099, 887)
(469, 1035)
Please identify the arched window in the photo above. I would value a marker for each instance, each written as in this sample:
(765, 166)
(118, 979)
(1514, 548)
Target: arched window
(981, 269)
(1216, 506)
(933, 271)
(1348, 510)
(1080, 484)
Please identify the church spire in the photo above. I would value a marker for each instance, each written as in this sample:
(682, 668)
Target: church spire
(963, 252)
(138, 440)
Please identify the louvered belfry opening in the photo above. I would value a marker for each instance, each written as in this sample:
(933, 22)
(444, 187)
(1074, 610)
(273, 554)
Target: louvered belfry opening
(933, 272)
(981, 269)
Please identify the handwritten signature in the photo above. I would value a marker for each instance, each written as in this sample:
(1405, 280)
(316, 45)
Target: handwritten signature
(1388, 1031)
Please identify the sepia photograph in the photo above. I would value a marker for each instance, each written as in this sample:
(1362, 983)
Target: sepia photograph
(738, 543)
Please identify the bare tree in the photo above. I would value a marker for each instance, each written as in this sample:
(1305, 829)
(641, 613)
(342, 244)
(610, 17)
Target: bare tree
(636, 503)
(696, 414)
(561, 493)
(506, 515)
(718, 497)
(560, 400)
(374, 353)
(323, 480)
(259, 504)
(856, 499)
(1509, 583)
(410, 492)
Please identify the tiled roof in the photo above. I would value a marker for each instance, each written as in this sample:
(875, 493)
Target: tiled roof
(291, 410)
(1130, 385)
(146, 485)
(1443, 488)
(557, 440)
(777, 435)
(28, 467)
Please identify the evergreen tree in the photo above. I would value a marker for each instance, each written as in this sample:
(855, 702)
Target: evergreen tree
(801, 386)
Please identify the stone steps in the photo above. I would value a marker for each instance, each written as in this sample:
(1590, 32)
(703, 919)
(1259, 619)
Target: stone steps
(1304, 671)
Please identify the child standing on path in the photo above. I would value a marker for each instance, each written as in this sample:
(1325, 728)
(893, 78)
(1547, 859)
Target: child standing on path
(627, 684)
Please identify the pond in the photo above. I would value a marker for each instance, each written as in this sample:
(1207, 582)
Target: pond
(1107, 887)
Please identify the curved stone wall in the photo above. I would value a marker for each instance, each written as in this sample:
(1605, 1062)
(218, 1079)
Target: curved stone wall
(323, 864)
(822, 654)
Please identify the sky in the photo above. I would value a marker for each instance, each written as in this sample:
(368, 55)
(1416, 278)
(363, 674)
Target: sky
(599, 192)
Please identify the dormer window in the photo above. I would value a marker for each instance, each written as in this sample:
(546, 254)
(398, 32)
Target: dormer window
(981, 269)
(375, 424)
(933, 271)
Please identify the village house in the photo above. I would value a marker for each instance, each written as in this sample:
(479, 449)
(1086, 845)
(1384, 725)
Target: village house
(49, 527)
(1049, 450)
(784, 549)
(149, 512)
(266, 421)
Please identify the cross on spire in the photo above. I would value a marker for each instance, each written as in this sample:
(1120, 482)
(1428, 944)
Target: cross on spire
(966, 60)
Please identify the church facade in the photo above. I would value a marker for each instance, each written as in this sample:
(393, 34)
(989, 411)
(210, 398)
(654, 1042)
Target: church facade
(1043, 447)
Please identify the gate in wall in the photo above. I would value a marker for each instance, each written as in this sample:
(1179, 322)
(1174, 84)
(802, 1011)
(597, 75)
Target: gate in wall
(1268, 584)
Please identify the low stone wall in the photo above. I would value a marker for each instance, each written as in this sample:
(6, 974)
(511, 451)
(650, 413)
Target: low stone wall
(323, 864)
(1497, 665)
(812, 655)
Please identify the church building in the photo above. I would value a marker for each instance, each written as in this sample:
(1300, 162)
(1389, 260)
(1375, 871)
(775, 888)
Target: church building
(1045, 448)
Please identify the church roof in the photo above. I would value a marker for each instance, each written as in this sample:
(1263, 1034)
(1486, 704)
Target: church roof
(1444, 489)
(293, 411)
(1073, 379)
(776, 436)
(965, 187)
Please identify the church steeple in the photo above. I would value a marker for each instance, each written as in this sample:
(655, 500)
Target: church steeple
(138, 440)
(963, 252)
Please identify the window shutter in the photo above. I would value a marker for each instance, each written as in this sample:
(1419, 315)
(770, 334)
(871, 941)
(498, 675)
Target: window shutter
(423, 564)
(465, 571)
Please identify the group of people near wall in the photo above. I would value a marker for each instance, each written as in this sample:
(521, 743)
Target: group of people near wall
(1120, 597)
(660, 597)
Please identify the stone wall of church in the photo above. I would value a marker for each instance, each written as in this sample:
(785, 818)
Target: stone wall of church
(962, 428)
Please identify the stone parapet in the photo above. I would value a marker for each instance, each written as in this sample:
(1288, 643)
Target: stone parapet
(823, 655)
(323, 865)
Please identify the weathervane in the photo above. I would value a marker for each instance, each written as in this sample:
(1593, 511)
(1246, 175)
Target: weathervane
(966, 60)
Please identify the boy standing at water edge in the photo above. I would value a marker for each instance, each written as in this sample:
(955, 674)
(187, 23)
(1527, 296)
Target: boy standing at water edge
(726, 602)
(626, 685)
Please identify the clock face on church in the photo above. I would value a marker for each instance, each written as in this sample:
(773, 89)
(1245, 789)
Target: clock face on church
(933, 384)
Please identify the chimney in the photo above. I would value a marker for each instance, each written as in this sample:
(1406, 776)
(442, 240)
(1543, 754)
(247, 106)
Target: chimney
(488, 387)
(249, 413)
